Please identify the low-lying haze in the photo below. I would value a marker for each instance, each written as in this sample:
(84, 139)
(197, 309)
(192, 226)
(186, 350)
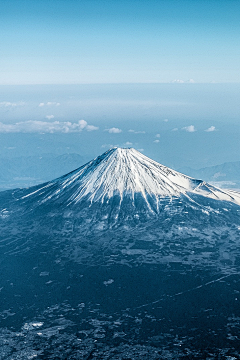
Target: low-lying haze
(195, 125)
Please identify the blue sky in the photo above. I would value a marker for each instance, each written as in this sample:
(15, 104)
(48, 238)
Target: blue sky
(109, 57)
(70, 42)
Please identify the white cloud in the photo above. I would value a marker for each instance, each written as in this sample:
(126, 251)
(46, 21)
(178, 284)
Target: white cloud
(175, 129)
(82, 123)
(165, 120)
(212, 128)
(109, 146)
(11, 104)
(114, 130)
(141, 150)
(32, 126)
(128, 143)
(156, 141)
(91, 128)
(49, 103)
(157, 135)
(136, 132)
(179, 81)
(189, 128)
(49, 117)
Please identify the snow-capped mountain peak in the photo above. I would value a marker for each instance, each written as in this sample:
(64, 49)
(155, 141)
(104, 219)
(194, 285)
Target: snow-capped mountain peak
(126, 172)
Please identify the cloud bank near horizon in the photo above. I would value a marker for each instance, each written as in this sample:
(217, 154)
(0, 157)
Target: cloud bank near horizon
(49, 103)
(33, 126)
(9, 104)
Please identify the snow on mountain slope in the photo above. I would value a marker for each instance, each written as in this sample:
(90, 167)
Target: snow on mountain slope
(126, 172)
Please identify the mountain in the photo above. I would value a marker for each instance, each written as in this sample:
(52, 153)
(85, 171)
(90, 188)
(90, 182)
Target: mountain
(125, 173)
(31, 170)
(226, 175)
(124, 184)
(122, 258)
(27, 171)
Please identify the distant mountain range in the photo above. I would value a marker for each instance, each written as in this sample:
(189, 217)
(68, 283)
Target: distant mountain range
(225, 175)
(31, 170)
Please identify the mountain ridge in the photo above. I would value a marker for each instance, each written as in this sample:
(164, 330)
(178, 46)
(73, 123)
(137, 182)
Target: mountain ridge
(125, 172)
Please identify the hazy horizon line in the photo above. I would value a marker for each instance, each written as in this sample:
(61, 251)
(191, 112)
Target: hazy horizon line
(126, 83)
